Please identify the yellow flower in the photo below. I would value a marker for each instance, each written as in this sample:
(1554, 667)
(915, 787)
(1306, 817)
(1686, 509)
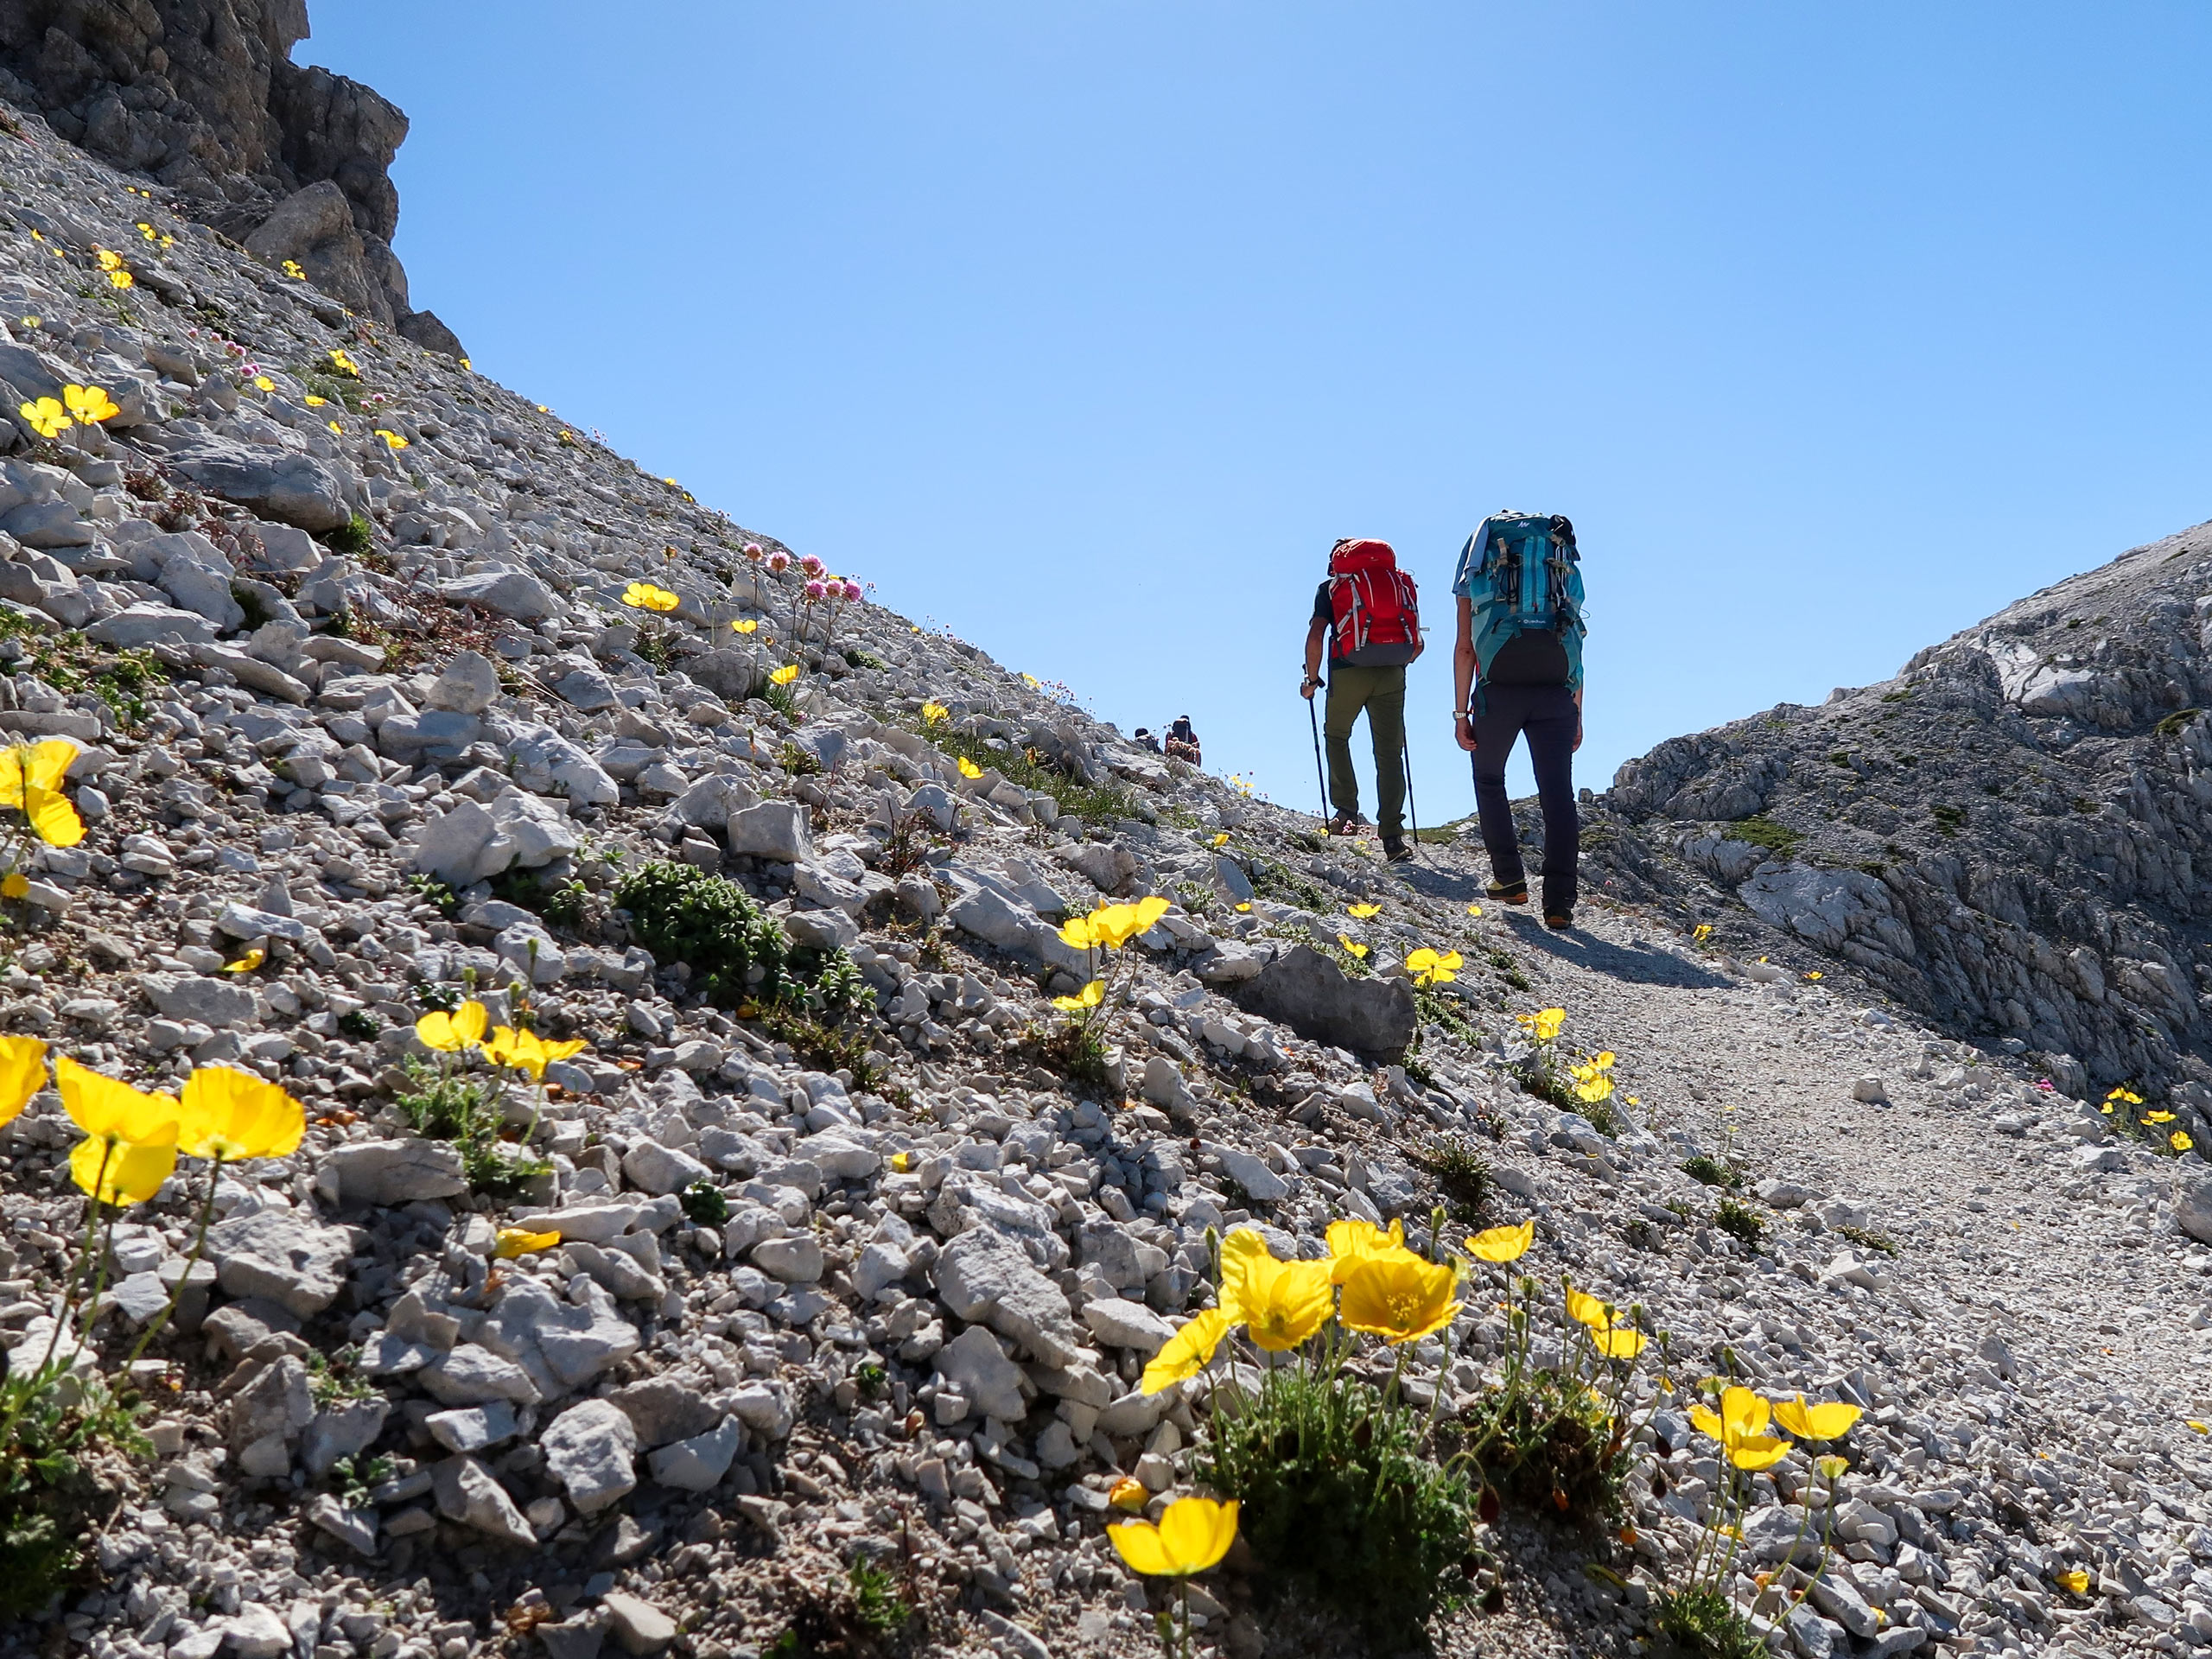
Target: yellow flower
(1740, 1427)
(123, 279)
(263, 383)
(14, 885)
(333, 426)
(1701, 932)
(901, 1162)
(46, 417)
(295, 270)
(123, 1171)
(2179, 1140)
(1543, 1024)
(526, 1051)
(246, 963)
(1193, 1534)
(1221, 840)
(392, 439)
(451, 1032)
(785, 675)
(1586, 1309)
(1353, 1242)
(109, 1110)
(1399, 1298)
(1362, 912)
(2075, 1581)
(2125, 1093)
(1590, 1081)
(230, 1115)
(1279, 1303)
(746, 624)
(1129, 1495)
(22, 1074)
(1816, 974)
(89, 404)
(1831, 1421)
(1474, 909)
(1243, 909)
(344, 364)
(1357, 950)
(933, 712)
(31, 775)
(1189, 1351)
(1503, 1244)
(109, 260)
(517, 1241)
(968, 768)
(314, 402)
(1078, 933)
(1619, 1343)
(644, 596)
(2158, 1117)
(1089, 997)
(1431, 968)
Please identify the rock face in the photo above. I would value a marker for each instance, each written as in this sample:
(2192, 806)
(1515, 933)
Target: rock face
(203, 96)
(2005, 835)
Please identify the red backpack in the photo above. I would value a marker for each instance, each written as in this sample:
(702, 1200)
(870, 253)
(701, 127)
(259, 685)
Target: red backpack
(1377, 609)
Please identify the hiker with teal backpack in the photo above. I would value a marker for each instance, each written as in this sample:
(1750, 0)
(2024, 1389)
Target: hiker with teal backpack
(1369, 612)
(1515, 672)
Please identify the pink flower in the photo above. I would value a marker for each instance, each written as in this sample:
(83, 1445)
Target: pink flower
(816, 590)
(813, 566)
(752, 551)
(780, 561)
(852, 590)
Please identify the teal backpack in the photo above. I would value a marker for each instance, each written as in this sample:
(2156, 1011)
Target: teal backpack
(1522, 576)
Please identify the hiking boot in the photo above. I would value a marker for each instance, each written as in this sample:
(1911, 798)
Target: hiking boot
(1345, 824)
(1395, 850)
(1559, 920)
(1508, 892)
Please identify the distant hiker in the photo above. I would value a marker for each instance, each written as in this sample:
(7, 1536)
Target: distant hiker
(1145, 740)
(1183, 741)
(1369, 611)
(1520, 655)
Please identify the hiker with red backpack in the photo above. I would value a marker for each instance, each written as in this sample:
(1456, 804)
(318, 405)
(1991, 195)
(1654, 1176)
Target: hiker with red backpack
(1368, 612)
(1517, 670)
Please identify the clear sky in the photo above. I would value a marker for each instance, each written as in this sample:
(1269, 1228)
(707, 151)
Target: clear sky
(1084, 328)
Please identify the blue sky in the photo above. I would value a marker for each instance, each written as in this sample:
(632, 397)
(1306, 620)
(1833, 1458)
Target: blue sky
(1084, 329)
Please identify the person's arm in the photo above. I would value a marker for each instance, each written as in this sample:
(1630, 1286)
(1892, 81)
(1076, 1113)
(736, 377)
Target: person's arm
(1315, 637)
(1578, 717)
(1463, 676)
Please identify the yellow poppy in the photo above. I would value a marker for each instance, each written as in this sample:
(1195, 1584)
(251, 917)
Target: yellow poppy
(1279, 1303)
(2075, 1579)
(1399, 1298)
(1586, 1309)
(1830, 1420)
(46, 417)
(745, 625)
(517, 1241)
(123, 1172)
(1503, 1244)
(1353, 946)
(89, 404)
(246, 963)
(14, 885)
(1089, 997)
(314, 402)
(1129, 1495)
(901, 1162)
(968, 768)
(933, 712)
(108, 258)
(785, 675)
(1432, 967)
(1189, 1350)
(230, 1115)
(526, 1051)
(107, 1110)
(1353, 1241)
(1740, 1426)
(392, 439)
(22, 1074)
(1620, 1343)
(2179, 1140)
(123, 279)
(451, 1032)
(1543, 1024)
(1362, 912)
(1193, 1534)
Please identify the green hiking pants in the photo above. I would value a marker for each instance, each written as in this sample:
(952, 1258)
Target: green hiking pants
(1381, 693)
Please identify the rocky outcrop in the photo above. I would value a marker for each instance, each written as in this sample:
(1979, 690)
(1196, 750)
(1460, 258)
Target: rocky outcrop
(203, 96)
(2005, 835)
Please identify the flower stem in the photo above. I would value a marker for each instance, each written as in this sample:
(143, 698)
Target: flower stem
(192, 1261)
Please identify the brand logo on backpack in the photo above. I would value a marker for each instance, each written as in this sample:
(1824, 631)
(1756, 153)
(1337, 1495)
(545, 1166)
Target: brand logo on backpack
(1375, 606)
(1522, 577)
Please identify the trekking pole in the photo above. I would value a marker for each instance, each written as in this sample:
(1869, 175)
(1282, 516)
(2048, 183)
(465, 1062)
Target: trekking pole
(1313, 720)
(1413, 812)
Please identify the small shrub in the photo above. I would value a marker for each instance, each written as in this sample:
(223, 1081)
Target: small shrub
(1762, 831)
(1335, 1491)
(1075, 1051)
(1949, 820)
(798, 761)
(739, 954)
(1867, 1239)
(352, 538)
(1703, 1624)
(907, 848)
(1508, 969)
(705, 1204)
(2174, 724)
(876, 1603)
(468, 1112)
(1562, 1452)
(1746, 1225)
(1711, 1172)
(433, 891)
(1027, 769)
(359, 1024)
(1461, 1175)
(566, 904)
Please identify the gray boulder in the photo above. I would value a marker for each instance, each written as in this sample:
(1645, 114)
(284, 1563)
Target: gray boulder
(279, 484)
(469, 1492)
(1310, 993)
(389, 1172)
(987, 1278)
(514, 593)
(592, 1450)
(281, 1255)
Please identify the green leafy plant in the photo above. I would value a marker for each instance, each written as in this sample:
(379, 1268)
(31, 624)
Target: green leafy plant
(876, 1604)
(1762, 831)
(1740, 1223)
(436, 892)
(1335, 1489)
(49, 1504)
(1867, 1239)
(352, 538)
(359, 1024)
(1703, 1623)
(1711, 1172)
(1029, 769)
(1461, 1175)
(467, 1111)
(739, 954)
(705, 1204)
